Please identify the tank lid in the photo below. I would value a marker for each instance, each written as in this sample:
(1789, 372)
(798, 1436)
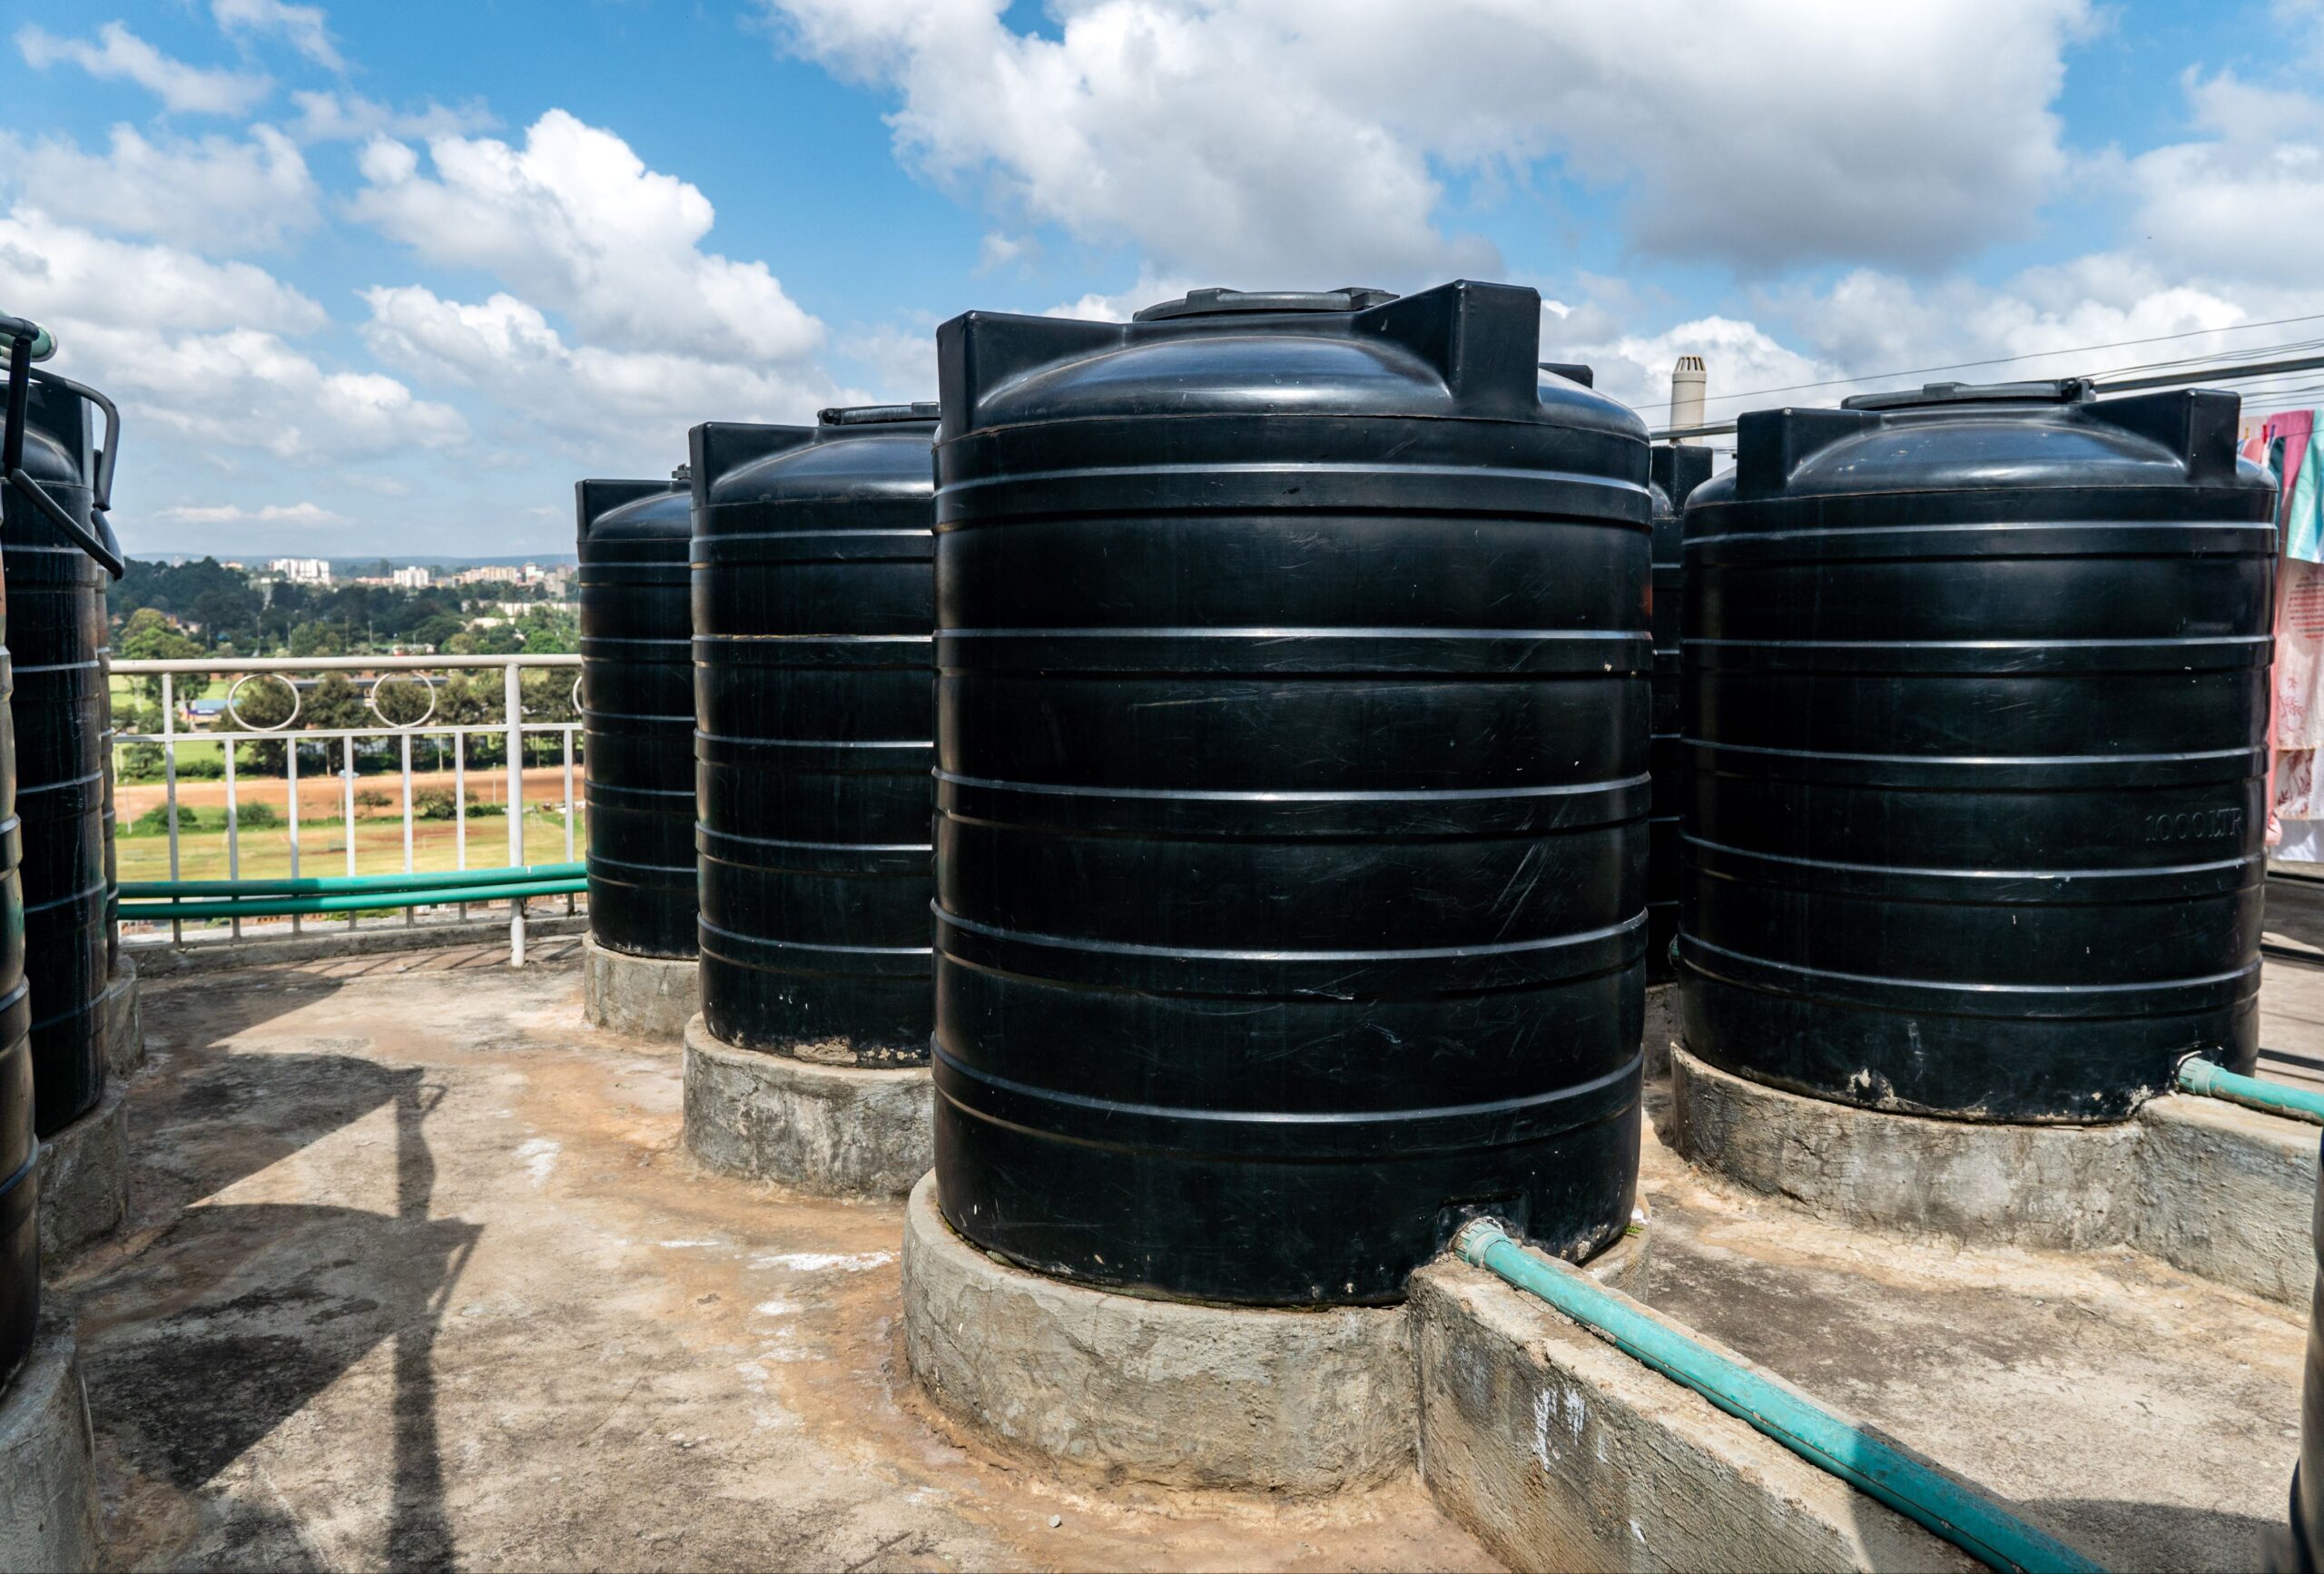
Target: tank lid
(877, 415)
(682, 477)
(1218, 302)
(2064, 391)
(1572, 370)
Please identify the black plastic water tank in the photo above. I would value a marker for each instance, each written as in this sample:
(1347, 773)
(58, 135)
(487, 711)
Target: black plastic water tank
(637, 711)
(58, 637)
(1293, 686)
(59, 467)
(1676, 472)
(1976, 705)
(813, 609)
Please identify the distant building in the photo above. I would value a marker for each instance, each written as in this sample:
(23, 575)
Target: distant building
(303, 570)
(412, 578)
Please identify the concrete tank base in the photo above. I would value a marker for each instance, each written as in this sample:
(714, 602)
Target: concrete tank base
(838, 1131)
(124, 1024)
(48, 1468)
(1662, 1033)
(83, 1176)
(643, 997)
(1165, 1392)
(2218, 1190)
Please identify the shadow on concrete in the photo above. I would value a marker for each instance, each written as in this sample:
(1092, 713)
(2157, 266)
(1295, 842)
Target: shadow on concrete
(225, 1327)
(222, 1116)
(2130, 1535)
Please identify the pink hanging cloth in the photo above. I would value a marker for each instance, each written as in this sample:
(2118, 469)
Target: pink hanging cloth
(2294, 715)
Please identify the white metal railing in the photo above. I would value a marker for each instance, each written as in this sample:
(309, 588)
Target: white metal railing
(511, 728)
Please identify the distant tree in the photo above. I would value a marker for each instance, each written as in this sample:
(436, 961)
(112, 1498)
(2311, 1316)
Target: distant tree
(147, 637)
(318, 639)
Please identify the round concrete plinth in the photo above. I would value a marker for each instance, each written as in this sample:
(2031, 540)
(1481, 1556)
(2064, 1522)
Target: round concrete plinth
(2030, 1185)
(644, 996)
(48, 1474)
(1160, 1391)
(84, 1175)
(839, 1131)
(124, 1027)
(1662, 1032)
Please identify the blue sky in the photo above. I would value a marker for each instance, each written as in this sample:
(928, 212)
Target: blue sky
(372, 277)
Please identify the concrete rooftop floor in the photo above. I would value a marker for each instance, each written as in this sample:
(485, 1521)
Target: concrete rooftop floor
(417, 1274)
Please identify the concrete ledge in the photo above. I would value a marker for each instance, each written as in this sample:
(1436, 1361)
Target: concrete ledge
(2230, 1194)
(644, 996)
(1166, 1392)
(1663, 1032)
(1560, 1452)
(158, 959)
(2065, 1186)
(48, 1475)
(839, 1131)
(124, 1024)
(2220, 1191)
(83, 1176)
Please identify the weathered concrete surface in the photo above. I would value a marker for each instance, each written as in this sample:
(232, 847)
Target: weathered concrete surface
(2144, 1414)
(1563, 1452)
(1662, 1029)
(2047, 1186)
(645, 997)
(274, 946)
(2230, 1194)
(835, 1131)
(419, 1275)
(83, 1176)
(2208, 1186)
(1155, 1390)
(124, 1029)
(48, 1478)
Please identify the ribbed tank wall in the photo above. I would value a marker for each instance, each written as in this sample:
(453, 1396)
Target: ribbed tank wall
(1976, 706)
(813, 607)
(1293, 690)
(1676, 472)
(57, 634)
(56, 467)
(637, 712)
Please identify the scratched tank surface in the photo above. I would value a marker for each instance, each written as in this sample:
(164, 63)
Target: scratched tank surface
(1293, 691)
(1976, 708)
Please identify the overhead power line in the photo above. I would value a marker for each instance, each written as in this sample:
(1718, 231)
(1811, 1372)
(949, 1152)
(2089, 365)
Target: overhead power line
(2033, 355)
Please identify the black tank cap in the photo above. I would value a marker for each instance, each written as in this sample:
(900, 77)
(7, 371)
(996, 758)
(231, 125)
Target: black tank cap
(2064, 391)
(1216, 303)
(877, 415)
(1572, 370)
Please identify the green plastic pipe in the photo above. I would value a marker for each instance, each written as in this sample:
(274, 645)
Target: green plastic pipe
(1975, 1524)
(414, 880)
(2197, 1075)
(303, 906)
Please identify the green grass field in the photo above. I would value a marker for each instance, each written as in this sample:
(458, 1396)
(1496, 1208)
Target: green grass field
(322, 847)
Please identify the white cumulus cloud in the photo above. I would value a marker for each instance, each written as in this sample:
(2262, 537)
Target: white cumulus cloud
(574, 221)
(350, 117)
(119, 54)
(235, 513)
(1273, 142)
(213, 194)
(631, 404)
(303, 27)
(201, 351)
